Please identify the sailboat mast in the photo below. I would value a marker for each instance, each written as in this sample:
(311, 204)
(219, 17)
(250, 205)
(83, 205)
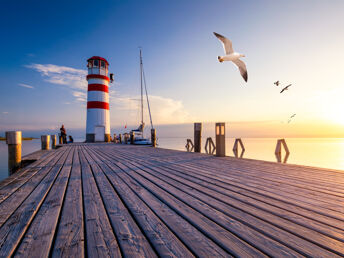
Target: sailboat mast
(141, 87)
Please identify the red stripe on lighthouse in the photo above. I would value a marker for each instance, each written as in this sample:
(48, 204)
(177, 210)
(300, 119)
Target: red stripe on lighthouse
(97, 76)
(98, 104)
(98, 87)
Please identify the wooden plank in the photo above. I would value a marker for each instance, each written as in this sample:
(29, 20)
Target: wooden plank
(234, 190)
(219, 235)
(219, 201)
(295, 214)
(100, 238)
(131, 240)
(142, 199)
(69, 240)
(38, 238)
(15, 226)
(304, 247)
(25, 174)
(12, 202)
(294, 199)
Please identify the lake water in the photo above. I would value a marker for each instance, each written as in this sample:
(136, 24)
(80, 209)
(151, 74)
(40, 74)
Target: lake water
(318, 152)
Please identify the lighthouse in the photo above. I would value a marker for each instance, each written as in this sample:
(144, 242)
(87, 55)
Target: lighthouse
(98, 117)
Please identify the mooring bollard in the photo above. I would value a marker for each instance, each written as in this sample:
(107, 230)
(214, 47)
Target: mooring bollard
(153, 137)
(132, 137)
(53, 141)
(197, 136)
(45, 140)
(220, 139)
(120, 138)
(126, 138)
(14, 142)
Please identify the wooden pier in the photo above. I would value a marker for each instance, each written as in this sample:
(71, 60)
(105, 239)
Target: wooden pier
(122, 200)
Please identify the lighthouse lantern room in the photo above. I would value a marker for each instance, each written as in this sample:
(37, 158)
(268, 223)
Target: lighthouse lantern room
(98, 117)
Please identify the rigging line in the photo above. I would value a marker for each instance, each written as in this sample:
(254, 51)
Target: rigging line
(150, 115)
(141, 69)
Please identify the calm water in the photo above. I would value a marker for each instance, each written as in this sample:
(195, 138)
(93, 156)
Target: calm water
(318, 152)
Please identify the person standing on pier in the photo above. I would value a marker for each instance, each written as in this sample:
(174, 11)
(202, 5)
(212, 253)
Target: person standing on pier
(63, 134)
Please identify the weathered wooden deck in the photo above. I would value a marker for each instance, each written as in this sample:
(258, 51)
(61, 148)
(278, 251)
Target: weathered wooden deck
(121, 200)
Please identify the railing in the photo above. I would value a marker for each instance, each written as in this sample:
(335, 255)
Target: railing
(209, 146)
(189, 145)
(238, 142)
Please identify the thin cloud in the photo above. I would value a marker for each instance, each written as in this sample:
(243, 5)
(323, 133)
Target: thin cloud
(26, 85)
(61, 75)
(5, 112)
(164, 110)
(80, 96)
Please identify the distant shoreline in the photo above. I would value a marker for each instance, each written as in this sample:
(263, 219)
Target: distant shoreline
(24, 138)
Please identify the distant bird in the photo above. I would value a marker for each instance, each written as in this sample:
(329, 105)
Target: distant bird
(291, 118)
(231, 55)
(285, 88)
(277, 83)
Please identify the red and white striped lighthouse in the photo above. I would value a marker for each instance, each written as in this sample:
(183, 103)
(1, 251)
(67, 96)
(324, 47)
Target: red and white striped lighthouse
(98, 117)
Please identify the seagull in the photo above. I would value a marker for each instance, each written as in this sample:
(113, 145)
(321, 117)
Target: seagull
(231, 55)
(277, 83)
(285, 88)
(291, 118)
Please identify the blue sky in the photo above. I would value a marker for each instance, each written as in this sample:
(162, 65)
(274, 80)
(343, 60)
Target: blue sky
(297, 42)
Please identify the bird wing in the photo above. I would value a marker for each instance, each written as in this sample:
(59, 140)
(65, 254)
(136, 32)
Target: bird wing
(283, 90)
(227, 44)
(242, 68)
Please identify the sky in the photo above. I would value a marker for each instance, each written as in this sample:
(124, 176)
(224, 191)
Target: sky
(45, 46)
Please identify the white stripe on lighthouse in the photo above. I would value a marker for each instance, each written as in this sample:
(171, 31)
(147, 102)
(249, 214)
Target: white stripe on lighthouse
(98, 96)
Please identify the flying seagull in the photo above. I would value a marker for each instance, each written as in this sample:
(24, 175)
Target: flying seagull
(285, 88)
(277, 83)
(231, 55)
(291, 118)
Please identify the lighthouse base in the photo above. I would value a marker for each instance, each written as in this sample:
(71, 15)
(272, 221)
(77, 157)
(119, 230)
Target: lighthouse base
(90, 137)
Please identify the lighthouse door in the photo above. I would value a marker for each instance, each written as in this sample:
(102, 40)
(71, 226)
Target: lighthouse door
(99, 133)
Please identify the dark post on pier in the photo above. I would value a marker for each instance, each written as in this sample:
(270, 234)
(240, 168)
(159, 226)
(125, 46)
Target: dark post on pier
(220, 139)
(197, 136)
(14, 141)
(153, 137)
(132, 137)
(45, 140)
(53, 141)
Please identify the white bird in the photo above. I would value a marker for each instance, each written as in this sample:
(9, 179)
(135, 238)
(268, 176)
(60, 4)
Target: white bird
(231, 55)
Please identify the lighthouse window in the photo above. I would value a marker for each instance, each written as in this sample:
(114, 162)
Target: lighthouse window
(102, 63)
(96, 63)
(89, 64)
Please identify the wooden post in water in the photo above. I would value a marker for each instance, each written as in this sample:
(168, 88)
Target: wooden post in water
(132, 137)
(220, 139)
(45, 140)
(120, 138)
(197, 136)
(14, 142)
(53, 141)
(153, 137)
